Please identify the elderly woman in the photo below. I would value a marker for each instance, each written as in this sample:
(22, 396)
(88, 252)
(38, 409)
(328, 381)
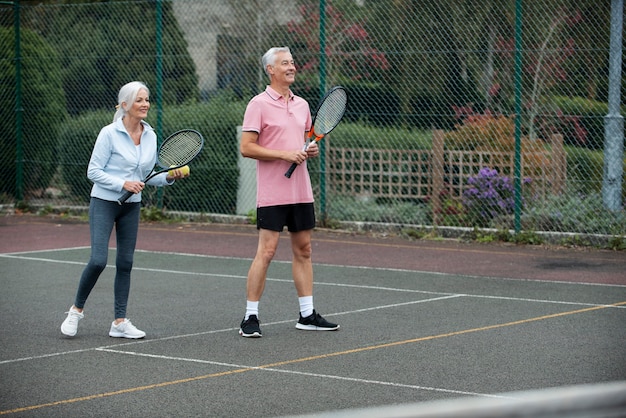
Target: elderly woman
(124, 153)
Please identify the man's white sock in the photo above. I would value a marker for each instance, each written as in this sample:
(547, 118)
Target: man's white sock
(252, 308)
(306, 305)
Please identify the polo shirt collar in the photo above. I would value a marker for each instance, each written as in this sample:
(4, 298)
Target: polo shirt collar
(275, 95)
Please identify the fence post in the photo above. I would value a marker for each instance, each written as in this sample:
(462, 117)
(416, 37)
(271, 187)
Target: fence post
(159, 84)
(19, 110)
(559, 164)
(437, 174)
(614, 121)
(322, 74)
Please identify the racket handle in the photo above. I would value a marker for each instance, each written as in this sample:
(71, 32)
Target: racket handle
(306, 147)
(290, 171)
(124, 197)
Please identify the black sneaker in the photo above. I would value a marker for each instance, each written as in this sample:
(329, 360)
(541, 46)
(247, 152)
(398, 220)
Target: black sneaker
(250, 327)
(315, 322)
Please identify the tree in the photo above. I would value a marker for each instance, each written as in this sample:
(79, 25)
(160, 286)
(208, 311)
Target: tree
(104, 45)
(349, 49)
(43, 107)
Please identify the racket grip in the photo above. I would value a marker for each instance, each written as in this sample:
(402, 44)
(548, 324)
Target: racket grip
(124, 197)
(291, 169)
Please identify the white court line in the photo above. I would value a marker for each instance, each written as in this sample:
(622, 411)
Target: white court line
(197, 334)
(436, 273)
(443, 295)
(9, 255)
(358, 286)
(327, 376)
(266, 324)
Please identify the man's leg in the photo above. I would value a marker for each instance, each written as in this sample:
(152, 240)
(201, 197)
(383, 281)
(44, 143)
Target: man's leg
(302, 266)
(302, 269)
(268, 242)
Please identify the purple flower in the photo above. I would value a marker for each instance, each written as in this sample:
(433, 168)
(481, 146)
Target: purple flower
(490, 196)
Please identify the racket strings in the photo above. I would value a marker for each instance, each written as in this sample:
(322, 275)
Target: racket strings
(180, 149)
(330, 112)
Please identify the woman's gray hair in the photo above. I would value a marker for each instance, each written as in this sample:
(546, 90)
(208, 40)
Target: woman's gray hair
(269, 58)
(128, 94)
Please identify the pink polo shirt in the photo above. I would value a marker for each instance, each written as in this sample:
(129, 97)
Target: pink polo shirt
(281, 125)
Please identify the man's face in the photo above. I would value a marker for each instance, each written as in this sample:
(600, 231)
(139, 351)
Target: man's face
(284, 69)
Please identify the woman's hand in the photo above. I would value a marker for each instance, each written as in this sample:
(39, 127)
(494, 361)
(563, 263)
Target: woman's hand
(177, 174)
(134, 186)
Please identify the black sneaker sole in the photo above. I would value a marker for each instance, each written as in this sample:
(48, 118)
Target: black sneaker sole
(253, 335)
(315, 327)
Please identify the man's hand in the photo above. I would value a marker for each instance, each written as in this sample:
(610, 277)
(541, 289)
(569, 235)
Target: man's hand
(297, 157)
(313, 150)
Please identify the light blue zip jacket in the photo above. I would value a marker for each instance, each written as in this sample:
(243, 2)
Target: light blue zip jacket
(116, 159)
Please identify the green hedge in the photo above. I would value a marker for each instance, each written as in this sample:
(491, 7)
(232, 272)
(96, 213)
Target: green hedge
(211, 186)
(591, 116)
(103, 45)
(43, 112)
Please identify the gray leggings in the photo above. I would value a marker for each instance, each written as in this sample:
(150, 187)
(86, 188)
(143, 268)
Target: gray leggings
(103, 215)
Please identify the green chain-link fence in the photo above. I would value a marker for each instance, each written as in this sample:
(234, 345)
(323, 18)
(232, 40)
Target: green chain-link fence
(430, 138)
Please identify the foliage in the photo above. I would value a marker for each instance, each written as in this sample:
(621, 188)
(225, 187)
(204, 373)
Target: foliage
(569, 211)
(488, 132)
(214, 172)
(42, 113)
(452, 212)
(360, 135)
(351, 60)
(488, 196)
(351, 54)
(84, 35)
(383, 111)
(581, 121)
(481, 131)
(584, 168)
(369, 210)
(554, 56)
(77, 138)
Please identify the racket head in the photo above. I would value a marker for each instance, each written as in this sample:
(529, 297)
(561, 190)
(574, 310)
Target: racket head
(180, 148)
(330, 111)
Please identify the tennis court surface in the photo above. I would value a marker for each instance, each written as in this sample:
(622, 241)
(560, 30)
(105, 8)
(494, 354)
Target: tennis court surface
(421, 321)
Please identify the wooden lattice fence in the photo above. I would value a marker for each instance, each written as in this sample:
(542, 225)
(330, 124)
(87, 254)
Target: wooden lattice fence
(424, 174)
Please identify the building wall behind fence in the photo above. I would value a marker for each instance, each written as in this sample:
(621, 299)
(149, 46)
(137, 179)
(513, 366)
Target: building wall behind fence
(411, 69)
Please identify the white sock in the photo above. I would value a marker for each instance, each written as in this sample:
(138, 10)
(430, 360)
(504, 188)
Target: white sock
(306, 305)
(252, 308)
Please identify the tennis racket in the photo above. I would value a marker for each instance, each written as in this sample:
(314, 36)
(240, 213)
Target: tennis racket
(329, 112)
(175, 152)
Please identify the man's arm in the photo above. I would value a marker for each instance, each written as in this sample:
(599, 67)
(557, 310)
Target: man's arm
(250, 148)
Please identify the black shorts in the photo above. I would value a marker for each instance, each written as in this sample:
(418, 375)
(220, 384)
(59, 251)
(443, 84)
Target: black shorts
(297, 217)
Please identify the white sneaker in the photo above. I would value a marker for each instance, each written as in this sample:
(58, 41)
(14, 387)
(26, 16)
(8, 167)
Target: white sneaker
(125, 329)
(69, 327)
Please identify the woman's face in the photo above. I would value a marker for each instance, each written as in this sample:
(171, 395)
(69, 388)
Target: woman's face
(139, 109)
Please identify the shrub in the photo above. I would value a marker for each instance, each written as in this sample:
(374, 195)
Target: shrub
(212, 186)
(103, 45)
(359, 135)
(584, 168)
(488, 196)
(43, 105)
(78, 136)
(574, 212)
(493, 134)
(576, 114)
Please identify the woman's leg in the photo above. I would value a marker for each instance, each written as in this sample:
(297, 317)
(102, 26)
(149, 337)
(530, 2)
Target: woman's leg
(126, 228)
(101, 219)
